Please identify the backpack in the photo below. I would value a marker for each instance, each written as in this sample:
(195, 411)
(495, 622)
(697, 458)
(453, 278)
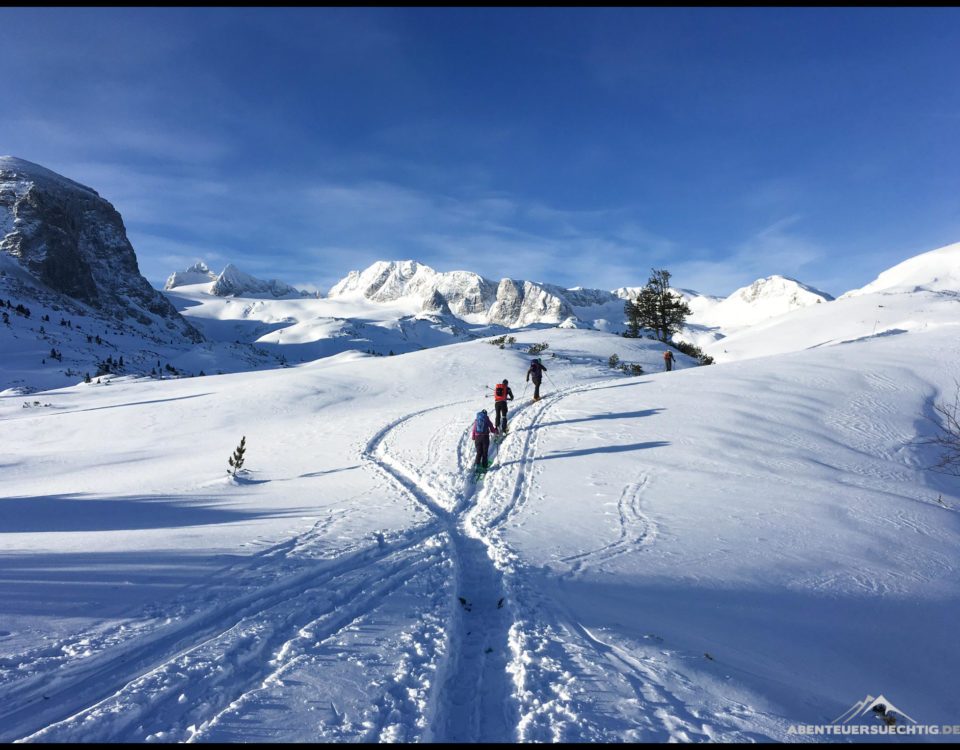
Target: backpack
(536, 367)
(482, 425)
(500, 392)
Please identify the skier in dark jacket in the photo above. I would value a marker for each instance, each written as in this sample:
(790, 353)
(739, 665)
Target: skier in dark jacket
(482, 427)
(501, 394)
(536, 370)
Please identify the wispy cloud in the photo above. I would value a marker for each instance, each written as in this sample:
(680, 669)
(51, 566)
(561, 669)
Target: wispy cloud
(496, 236)
(771, 250)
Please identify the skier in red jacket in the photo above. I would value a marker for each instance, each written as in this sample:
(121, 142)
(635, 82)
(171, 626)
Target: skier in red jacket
(501, 394)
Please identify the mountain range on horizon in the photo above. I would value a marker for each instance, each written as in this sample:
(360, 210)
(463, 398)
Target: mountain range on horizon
(510, 303)
(711, 553)
(64, 251)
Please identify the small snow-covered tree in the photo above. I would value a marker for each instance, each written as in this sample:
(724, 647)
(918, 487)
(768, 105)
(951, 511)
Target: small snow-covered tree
(236, 460)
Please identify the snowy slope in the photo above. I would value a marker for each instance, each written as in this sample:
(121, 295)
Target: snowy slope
(934, 271)
(922, 293)
(712, 554)
(301, 329)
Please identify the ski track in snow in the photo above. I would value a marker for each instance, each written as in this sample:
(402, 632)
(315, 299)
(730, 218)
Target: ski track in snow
(636, 529)
(553, 668)
(570, 685)
(518, 667)
(473, 697)
(491, 657)
(168, 683)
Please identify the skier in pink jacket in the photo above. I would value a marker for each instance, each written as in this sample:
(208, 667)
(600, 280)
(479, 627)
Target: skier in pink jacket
(482, 427)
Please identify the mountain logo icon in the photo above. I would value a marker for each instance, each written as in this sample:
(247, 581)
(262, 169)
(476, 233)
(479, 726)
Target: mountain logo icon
(878, 707)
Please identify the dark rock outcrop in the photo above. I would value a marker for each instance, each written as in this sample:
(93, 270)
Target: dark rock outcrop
(74, 243)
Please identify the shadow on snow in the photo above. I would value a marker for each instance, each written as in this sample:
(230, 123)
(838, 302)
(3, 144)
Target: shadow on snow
(607, 449)
(616, 415)
(83, 513)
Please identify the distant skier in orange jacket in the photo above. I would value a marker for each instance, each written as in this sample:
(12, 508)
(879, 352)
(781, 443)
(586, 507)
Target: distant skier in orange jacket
(668, 359)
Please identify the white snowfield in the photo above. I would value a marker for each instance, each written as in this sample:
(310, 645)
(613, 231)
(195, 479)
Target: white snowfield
(719, 553)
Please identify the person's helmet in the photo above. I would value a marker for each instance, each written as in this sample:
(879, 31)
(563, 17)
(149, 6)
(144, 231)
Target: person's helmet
(504, 381)
(484, 411)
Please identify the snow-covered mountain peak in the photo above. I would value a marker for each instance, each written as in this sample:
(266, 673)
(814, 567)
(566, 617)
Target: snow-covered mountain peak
(763, 299)
(782, 288)
(198, 273)
(467, 295)
(232, 282)
(388, 281)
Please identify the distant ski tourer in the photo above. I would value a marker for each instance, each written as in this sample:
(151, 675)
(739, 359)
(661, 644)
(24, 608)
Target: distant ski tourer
(536, 371)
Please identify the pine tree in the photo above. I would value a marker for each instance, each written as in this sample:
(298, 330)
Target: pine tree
(236, 460)
(659, 309)
(632, 313)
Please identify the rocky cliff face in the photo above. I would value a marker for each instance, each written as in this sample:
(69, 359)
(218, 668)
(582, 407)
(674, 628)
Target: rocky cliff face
(73, 242)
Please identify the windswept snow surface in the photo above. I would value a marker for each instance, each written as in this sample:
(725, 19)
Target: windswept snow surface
(712, 554)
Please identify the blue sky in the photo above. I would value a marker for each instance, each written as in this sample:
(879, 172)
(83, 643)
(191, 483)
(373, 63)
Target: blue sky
(573, 146)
